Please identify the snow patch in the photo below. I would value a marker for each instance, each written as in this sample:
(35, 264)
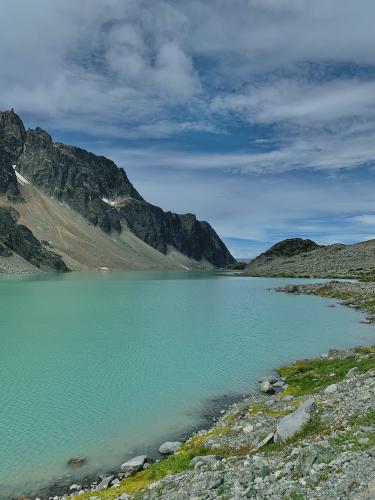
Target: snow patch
(109, 202)
(185, 267)
(21, 179)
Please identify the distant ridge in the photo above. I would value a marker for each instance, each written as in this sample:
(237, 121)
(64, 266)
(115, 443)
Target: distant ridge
(297, 257)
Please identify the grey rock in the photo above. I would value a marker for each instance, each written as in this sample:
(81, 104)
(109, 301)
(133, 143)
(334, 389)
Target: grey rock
(279, 383)
(331, 389)
(352, 372)
(289, 425)
(169, 447)
(314, 454)
(213, 480)
(204, 460)
(105, 482)
(133, 465)
(267, 387)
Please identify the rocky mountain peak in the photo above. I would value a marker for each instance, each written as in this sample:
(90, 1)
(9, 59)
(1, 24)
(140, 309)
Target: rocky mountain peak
(291, 246)
(100, 191)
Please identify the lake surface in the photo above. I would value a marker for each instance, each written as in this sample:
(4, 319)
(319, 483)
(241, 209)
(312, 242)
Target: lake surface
(110, 364)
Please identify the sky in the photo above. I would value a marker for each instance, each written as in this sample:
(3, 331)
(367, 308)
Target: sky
(256, 115)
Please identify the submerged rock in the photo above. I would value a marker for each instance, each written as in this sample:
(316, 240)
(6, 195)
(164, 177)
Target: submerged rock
(75, 461)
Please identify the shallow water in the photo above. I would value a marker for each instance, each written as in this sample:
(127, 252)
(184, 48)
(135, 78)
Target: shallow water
(109, 364)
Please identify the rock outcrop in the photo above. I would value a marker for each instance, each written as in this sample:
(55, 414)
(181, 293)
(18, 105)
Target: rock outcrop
(12, 138)
(18, 238)
(94, 187)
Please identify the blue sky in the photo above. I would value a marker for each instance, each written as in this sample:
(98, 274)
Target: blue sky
(257, 115)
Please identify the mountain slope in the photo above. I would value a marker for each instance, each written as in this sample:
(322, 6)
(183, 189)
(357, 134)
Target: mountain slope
(95, 217)
(304, 258)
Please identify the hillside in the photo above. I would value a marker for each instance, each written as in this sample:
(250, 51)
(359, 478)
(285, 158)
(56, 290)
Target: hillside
(84, 209)
(304, 258)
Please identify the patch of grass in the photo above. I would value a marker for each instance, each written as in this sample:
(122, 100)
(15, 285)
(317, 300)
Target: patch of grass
(256, 408)
(365, 420)
(352, 438)
(367, 276)
(294, 495)
(174, 464)
(329, 291)
(307, 376)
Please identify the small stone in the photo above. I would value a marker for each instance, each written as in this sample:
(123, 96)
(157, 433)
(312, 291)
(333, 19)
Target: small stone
(352, 372)
(330, 389)
(75, 487)
(248, 429)
(267, 387)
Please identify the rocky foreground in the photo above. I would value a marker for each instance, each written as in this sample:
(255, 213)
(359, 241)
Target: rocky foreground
(310, 433)
(312, 436)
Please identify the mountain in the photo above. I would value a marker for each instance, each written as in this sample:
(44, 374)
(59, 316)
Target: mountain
(86, 210)
(304, 258)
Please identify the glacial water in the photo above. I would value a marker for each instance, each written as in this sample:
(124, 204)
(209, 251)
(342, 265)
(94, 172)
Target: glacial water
(106, 365)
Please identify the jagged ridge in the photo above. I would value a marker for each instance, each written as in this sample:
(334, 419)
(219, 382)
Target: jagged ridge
(97, 189)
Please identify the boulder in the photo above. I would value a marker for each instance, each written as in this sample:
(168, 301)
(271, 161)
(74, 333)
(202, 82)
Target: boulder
(169, 447)
(330, 389)
(105, 482)
(289, 425)
(267, 387)
(204, 460)
(352, 372)
(133, 465)
(315, 453)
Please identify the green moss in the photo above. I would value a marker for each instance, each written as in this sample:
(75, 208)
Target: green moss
(352, 438)
(294, 495)
(360, 419)
(307, 376)
(366, 277)
(176, 463)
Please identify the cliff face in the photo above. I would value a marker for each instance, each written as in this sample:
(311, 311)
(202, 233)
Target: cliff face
(18, 238)
(98, 190)
(12, 138)
(161, 229)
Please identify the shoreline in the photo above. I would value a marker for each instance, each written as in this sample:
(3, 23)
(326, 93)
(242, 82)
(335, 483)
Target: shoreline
(218, 410)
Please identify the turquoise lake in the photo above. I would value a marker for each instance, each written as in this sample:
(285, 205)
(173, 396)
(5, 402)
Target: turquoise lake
(107, 365)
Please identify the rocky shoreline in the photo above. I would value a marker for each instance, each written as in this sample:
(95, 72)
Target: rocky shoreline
(310, 433)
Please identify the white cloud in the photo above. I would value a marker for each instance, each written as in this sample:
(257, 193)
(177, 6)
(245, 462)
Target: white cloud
(303, 71)
(368, 219)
